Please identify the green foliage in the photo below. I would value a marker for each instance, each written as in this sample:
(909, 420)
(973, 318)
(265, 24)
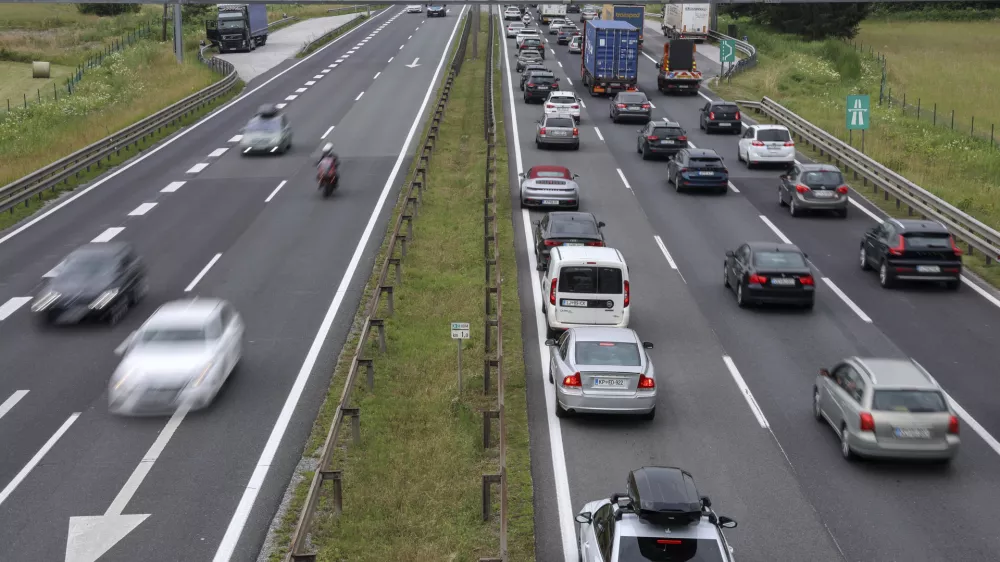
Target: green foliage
(105, 10)
(197, 12)
(813, 21)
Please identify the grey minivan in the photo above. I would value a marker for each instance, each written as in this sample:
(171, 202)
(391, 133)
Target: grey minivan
(813, 187)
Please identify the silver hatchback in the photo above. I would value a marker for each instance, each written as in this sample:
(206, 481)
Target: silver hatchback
(557, 129)
(602, 370)
(887, 408)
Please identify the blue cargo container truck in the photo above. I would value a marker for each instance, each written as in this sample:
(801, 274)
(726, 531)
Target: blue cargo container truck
(610, 57)
(634, 15)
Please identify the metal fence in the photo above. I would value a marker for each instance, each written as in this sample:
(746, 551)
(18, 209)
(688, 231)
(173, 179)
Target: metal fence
(493, 324)
(379, 307)
(928, 111)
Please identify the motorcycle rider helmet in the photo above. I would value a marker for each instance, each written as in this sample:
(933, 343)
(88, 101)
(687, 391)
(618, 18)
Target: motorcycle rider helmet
(327, 149)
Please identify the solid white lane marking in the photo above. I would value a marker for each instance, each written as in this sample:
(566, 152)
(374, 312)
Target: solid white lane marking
(291, 97)
(174, 138)
(217, 152)
(142, 209)
(327, 132)
(599, 135)
(301, 90)
(359, 96)
(311, 83)
(850, 304)
(622, 176)
(277, 189)
(253, 487)
(11, 306)
(9, 489)
(9, 403)
(651, 104)
(280, 106)
(390, 59)
(108, 234)
(202, 273)
(666, 253)
(377, 74)
(197, 167)
(733, 187)
(172, 186)
(236, 138)
(564, 505)
(700, 93)
(775, 230)
(754, 407)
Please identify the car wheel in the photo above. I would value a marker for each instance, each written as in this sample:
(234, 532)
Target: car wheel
(725, 276)
(884, 277)
(118, 312)
(650, 415)
(809, 305)
(740, 300)
(781, 199)
(739, 155)
(749, 163)
(863, 259)
(560, 411)
(645, 153)
(638, 146)
(843, 214)
(139, 291)
(845, 445)
(953, 285)
(538, 144)
(817, 411)
(793, 209)
(552, 379)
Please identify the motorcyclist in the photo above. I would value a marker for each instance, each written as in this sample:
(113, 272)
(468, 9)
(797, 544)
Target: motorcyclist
(328, 153)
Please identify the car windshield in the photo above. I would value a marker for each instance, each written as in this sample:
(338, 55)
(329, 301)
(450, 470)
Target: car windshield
(705, 162)
(617, 354)
(773, 135)
(657, 549)
(560, 123)
(171, 335)
(915, 401)
(549, 174)
(231, 24)
(592, 280)
(823, 179)
(668, 132)
(573, 227)
(86, 266)
(263, 125)
(632, 98)
(778, 259)
(928, 240)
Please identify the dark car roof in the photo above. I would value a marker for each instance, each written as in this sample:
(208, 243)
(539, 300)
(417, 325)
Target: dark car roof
(920, 225)
(722, 102)
(773, 247)
(703, 153)
(108, 249)
(818, 168)
(665, 123)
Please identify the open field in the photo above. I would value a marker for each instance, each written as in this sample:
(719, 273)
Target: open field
(412, 486)
(814, 78)
(16, 83)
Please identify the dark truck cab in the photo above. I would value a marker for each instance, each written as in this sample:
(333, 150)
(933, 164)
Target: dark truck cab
(238, 27)
(678, 70)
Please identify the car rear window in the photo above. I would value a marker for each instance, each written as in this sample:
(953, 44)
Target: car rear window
(632, 98)
(916, 401)
(773, 135)
(705, 162)
(927, 240)
(668, 132)
(725, 109)
(588, 279)
(654, 549)
(559, 122)
(562, 98)
(827, 179)
(573, 227)
(549, 174)
(531, 42)
(617, 354)
(778, 259)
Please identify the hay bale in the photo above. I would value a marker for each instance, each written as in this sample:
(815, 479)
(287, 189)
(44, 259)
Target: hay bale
(40, 69)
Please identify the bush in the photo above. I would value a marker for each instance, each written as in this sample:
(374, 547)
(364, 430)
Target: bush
(104, 10)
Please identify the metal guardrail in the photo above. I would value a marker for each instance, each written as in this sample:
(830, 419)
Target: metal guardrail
(373, 320)
(493, 323)
(70, 167)
(977, 236)
(745, 63)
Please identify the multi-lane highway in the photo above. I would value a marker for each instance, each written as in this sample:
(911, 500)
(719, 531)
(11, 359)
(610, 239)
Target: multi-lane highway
(735, 385)
(252, 230)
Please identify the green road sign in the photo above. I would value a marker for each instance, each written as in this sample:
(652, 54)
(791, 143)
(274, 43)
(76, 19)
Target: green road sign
(727, 50)
(858, 113)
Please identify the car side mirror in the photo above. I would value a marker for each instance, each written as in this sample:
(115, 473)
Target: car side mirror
(730, 254)
(783, 177)
(727, 522)
(824, 373)
(647, 345)
(550, 342)
(583, 517)
(125, 345)
(805, 255)
(706, 501)
(601, 225)
(576, 176)
(557, 79)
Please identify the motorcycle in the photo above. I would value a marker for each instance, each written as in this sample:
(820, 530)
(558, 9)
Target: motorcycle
(328, 176)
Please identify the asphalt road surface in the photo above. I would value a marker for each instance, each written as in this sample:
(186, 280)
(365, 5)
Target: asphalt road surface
(735, 385)
(252, 230)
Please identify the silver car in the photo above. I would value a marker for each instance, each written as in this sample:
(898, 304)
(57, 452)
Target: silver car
(889, 408)
(180, 356)
(558, 129)
(602, 370)
(267, 132)
(543, 186)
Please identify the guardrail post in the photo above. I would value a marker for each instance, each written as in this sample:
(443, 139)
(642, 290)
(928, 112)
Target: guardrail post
(387, 290)
(338, 488)
(488, 480)
(402, 248)
(487, 427)
(399, 269)
(488, 365)
(355, 415)
(370, 375)
(380, 324)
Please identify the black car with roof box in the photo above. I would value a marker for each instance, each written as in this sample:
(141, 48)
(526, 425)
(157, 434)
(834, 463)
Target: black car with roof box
(538, 86)
(565, 228)
(661, 137)
(767, 273)
(721, 116)
(699, 168)
(912, 250)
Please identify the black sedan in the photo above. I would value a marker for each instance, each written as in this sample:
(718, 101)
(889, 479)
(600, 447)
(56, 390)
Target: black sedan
(97, 281)
(912, 250)
(565, 228)
(631, 105)
(763, 272)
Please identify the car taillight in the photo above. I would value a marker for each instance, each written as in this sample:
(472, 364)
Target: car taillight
(646, 382)
(542, 131)
(552, 291)
(621, 106)
(954, 247)
(645, 106)
(668, 541)
(682, 171)
(737, 115)
(897, 250)
(597, 243)
(790, 143)
(531, 84)
(652, 137)
(757, 279)
(572, 380)
(711, 115)
(576, 132)
(549, 106)
(757, 143)
(867, 422)
(807, 280)
(555, 86)
(953, 425)
(682, 138)
(574, 106)
(842, 189)
(628, 294)
(801, 188)
(551, 243)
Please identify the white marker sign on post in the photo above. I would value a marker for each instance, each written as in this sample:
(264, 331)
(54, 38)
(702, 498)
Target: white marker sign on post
(459, 332)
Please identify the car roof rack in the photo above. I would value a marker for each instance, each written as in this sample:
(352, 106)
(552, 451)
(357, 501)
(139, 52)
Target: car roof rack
(663, 495)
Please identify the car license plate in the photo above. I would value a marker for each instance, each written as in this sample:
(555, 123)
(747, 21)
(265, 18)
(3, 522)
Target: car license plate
(559, 133)
(542, 87)
(666, 142)
(928, 269)
(912, 433)
(633, 108)
(782, 281)
(706, 173)
(823, 194)
(611, 383)
(550, 201)
(725, 124)
(573, 244)
(566, 302)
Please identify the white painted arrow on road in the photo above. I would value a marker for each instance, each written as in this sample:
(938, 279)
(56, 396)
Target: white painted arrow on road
(413, 64)
(91, 536)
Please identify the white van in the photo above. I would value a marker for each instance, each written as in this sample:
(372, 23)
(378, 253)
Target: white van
(585, 286)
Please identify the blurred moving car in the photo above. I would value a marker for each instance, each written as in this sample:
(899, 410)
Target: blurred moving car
(721, 116)
(268, 131)
(414, 9)
(549, 186)
(764, 272)
(180, 356)
(98, 281)
(912, 250)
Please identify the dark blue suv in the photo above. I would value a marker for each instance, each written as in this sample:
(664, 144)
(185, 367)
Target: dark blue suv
(698, 168)
(435, 10)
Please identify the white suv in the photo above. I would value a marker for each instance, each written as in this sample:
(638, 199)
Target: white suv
(766, 144)
(563, 103)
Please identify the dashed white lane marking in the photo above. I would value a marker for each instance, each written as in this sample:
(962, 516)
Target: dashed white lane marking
(651, 105)
(291, 97)
(197, 167)
(553, 51)
(281, 105)
(359, 96)
(9, 403)
(247, 150)
(273, 150)
(410, 37)
(775, 230)
(334, 65)
(340, 60)
(733, 187)
(108, 234)
(599, 135)
(401, 47)
(621, 174)
(324, 71)
(390, 59)
(277, 189)
(559, 63)
(236, 138)
(757, 412)
(217, 152)
(300, 90)
(570, 81)
(142, 209)
(7, 491)
(327, 132)
(418, 28)
(583, 105)
(351, 52)
(359, 45)
(6, 309)
(850, 304)
(202, 273)
(173, 186)
(377, 74)
(311, 83)
(670, 259)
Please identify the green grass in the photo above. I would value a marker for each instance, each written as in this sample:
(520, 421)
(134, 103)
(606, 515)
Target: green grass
(813, 80)
(18, 83)
(412, 487)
